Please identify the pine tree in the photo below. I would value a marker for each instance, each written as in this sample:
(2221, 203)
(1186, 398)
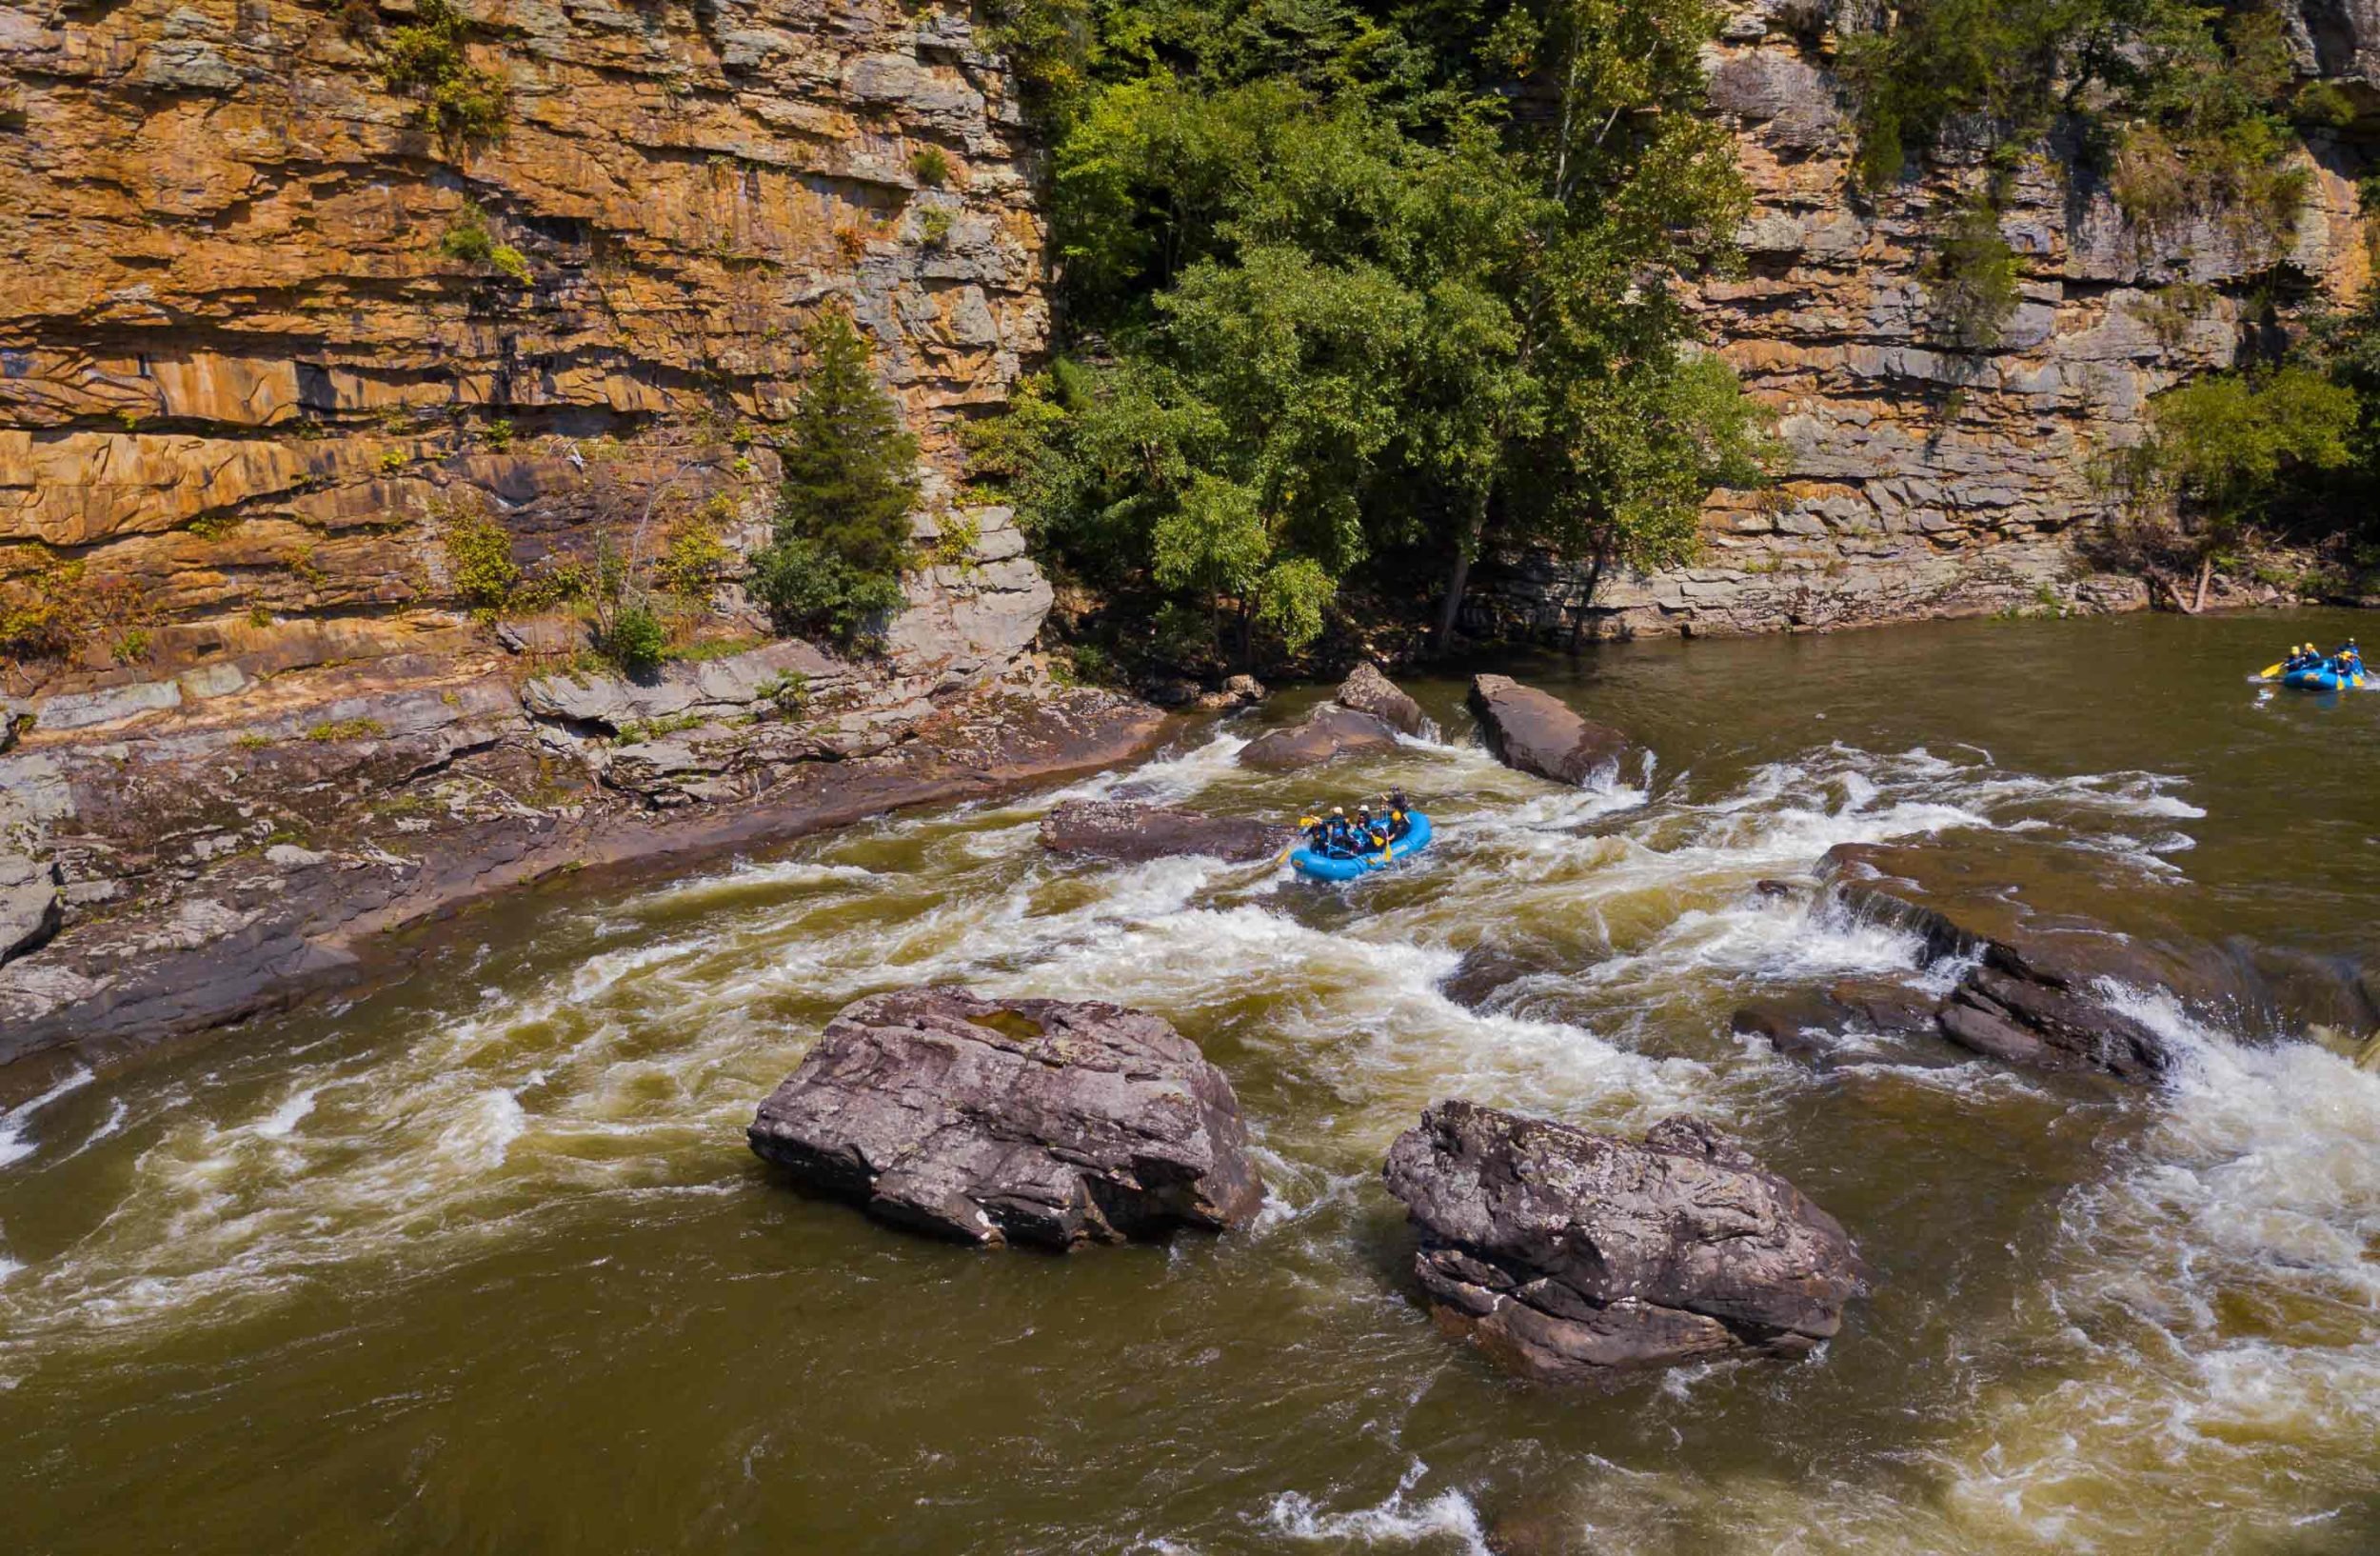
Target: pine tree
(843, 512)
(851, 465)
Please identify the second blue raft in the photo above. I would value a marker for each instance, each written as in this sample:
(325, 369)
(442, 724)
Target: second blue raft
(1322, 867)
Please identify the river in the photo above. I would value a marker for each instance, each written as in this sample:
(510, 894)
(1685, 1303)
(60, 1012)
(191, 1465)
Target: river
(479, 1260)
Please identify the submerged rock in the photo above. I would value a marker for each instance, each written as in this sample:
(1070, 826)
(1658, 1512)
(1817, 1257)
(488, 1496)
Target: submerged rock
(1576, 1257)
(1877, 1006)
(1482, 975)
(2039, 995)
(2022, 1017)
(1367, 690)
(1535, 731)
(1045, 1121)
(1328, 732)
(1122, 829)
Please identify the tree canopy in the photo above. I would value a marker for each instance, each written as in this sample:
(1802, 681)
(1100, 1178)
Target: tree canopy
(1347, 283)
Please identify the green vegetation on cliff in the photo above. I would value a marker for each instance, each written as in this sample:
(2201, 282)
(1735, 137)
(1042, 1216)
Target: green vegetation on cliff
(842, 538)
(2186, 112)
(1360, 292)
(2287, 449)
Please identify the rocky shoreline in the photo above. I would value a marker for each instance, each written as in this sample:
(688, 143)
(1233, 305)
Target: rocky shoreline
(192, 865)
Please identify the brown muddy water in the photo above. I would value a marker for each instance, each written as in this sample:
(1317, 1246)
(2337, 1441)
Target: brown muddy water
(480, 1262)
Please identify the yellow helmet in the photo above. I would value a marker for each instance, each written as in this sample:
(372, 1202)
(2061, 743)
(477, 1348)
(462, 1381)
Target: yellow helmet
(1339, 810)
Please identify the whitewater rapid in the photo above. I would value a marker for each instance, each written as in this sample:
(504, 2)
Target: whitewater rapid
(2196, 1317)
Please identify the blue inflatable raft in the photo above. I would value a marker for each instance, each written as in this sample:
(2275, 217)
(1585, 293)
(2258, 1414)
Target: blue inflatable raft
(2323, 678)
(1322, 867)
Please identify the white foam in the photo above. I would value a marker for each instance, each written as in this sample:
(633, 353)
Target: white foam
(292, 1111)
(14, 1146)
(2256, 1189)
(1447, 1520)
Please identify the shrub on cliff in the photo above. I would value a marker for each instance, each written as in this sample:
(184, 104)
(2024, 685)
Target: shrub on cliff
(634, 639)
(2184, 110)
(55, 609)
(428, 60)
(479, 556)
(841, 537)
(469, 240)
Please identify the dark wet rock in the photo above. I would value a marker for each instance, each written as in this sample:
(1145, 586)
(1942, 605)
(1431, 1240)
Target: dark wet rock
(1368, 692)
(1180, 692)
(1328, 732)
(1793, 1024)
(2040, 996)
(1857, 875)
(2027, 1020)
(1884, 1006)
(1537, 732)
(1576, 1257)
(1122, 829)
(1484, 973)
(1787, 1024)
(1042, 1121)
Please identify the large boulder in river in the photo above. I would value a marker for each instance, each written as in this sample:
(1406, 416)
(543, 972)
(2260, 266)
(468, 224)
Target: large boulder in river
(1539, 733)
(1328, 732)
(1367, 690)
(1576, 1257)
(1122, 829)
(1013, 1121)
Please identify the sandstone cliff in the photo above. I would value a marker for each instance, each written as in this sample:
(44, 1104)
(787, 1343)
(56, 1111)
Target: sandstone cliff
(274, 310)
(241, 361)
(1921, 479)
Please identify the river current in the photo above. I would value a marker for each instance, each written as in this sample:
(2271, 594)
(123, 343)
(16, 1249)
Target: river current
(479, 1260)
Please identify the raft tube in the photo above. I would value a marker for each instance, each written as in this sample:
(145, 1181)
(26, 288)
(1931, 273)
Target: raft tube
(2323, 678)
(1321, 867)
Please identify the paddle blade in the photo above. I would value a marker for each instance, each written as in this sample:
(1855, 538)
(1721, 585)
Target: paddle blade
(2268, 673)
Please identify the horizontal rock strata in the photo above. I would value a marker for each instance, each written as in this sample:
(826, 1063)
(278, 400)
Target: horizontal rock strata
(255, 351)
(1922, 475)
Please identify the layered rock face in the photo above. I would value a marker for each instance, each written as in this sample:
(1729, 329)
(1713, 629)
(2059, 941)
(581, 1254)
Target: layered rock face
(259, 323)
(1576, 1257)
(1045, 1121)
(1920, 478)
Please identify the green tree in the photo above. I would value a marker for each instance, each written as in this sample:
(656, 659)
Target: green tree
(2221, 447)
(841, 534)
(1344, 299)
